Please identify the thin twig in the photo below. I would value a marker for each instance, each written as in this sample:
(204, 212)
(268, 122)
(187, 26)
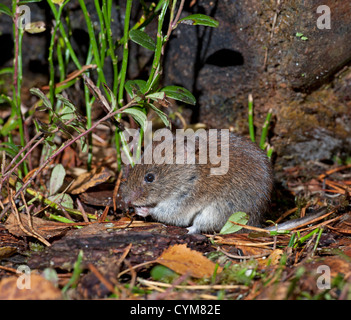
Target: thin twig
(8, 269)
(135, 267)
(38, 236)
(235, 256)
(102, 279)
(29, 233)
(285, 214)
(104, 214)
(329, 172)
(173, 23)
(192, 287)
(124, 254)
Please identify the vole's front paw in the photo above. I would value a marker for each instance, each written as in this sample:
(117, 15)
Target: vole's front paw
(142, 211)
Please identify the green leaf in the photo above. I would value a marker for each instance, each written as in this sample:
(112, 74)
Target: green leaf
(162, 273)
(179, 93)
(6, 70)
(10, 125)
(77, 270)
(6, 10)
(10, 148)
(42, 96)
(57, 176)
(59, 218)
(51, 275)
(112, 96)
(135, 87)
(65, 101)
(27, 1)
(199, 19)
(68, 110)
(62, 199)
(67, 113)
(156, 96)
(35, 27)
(138, 115)
(239, 217)
(143, 39)
(159, 5)
(161, 114)
(59, 2)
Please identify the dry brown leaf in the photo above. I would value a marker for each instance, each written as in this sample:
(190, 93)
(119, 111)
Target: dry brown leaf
(274, 257)
(39, 289)
(90, 179)
(46, 229)
(337, 265)
(6, 252)
(183, 260)
(70, 158)
(72, 76)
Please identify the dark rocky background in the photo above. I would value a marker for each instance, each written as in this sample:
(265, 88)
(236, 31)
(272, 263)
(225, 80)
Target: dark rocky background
(254, 50)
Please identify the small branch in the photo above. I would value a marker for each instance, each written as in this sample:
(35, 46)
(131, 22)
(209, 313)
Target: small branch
(20, 152)
(180, 9)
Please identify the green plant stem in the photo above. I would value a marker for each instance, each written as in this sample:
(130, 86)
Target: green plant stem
(97, 58)
(154, 74)
(265, 129)
(19, 113)
(51, 52)
(88, 104)
(106, 9)
(251, 122)
(60, 61)
(304, 238)
(77, 270)
(140, 141)
(64, 36)
(125, 52)
(292, 240)
(125, 148)
(17, 75)
(118, 149)
(102, 34)
(171, 17)
(318, 239)
(18, 31)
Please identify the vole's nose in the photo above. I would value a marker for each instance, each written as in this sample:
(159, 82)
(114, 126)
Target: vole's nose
(130, 197)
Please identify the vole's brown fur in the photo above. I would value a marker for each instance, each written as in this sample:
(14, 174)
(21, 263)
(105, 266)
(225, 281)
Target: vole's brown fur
(188, 195)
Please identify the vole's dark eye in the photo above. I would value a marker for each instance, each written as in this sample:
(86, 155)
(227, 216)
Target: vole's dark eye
(149, 177)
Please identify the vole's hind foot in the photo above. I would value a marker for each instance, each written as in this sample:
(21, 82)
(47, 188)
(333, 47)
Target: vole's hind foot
(193, 229)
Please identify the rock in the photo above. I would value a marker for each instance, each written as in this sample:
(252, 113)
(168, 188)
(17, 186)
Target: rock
(286, 67)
